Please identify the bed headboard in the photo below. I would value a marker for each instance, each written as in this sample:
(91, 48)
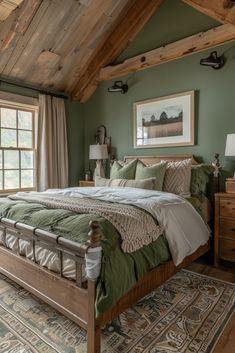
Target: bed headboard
(149, 160)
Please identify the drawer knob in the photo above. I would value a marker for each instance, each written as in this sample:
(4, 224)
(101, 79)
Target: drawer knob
(233, 229)
(233, 249)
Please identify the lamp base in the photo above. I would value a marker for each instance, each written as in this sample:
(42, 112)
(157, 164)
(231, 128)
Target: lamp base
(99, 170)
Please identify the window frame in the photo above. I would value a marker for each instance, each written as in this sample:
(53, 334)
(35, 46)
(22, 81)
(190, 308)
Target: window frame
(26, 108)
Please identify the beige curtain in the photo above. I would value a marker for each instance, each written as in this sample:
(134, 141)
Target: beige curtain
(52, 150)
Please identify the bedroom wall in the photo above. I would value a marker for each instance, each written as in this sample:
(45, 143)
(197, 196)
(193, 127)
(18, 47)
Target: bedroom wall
(74, 128)
(215, 103)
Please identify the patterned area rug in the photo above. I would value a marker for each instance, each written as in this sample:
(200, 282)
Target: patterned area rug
(186, 314)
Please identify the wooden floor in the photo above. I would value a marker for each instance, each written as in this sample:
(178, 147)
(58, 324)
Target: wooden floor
(226, 272)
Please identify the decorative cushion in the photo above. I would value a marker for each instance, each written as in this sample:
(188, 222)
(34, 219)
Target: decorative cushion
(177, 177)
(157, 170)
(141, 184)
(123, 171)
(200, 175)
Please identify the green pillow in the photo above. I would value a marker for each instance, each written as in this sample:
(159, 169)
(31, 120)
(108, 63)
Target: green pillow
(200, 176)
(125, 171)
(154, 171)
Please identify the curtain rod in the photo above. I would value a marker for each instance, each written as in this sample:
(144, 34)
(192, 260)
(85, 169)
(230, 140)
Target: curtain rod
(40, 90)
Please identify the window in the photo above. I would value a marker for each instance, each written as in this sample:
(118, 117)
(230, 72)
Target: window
(17, 147)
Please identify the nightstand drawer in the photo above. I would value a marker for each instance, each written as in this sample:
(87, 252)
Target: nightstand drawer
(227, 249)
(227, 228)
(86, 183)
(227, 208)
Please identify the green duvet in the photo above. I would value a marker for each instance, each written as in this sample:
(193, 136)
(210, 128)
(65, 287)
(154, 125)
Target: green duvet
(119, 271)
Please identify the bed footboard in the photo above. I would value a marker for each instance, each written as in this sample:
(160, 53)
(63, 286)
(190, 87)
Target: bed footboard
(75, 299)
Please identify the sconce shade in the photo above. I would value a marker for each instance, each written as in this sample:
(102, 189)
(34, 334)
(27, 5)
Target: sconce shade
(230, 145)
(98, 152)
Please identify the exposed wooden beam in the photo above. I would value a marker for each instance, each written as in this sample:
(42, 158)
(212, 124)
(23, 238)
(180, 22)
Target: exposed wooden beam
(7, 6)
(221, 10)
(130, 22)
(169, 52)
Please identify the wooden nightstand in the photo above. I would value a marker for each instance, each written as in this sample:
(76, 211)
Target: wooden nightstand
(224, 246)
(86, 183)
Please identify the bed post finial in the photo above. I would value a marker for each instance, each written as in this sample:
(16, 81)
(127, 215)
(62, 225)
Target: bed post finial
(216, 173)
(216, 165)
(94, 234)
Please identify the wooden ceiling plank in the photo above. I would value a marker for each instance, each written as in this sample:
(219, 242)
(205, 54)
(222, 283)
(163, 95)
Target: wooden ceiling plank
(221, 10)
(22, 40)
(74, 66)
(7, 7)
(9, 30)
(179, 49)
(20, 23)
(128, 25)
(46, 64)
(26, 34)
(37, 39)
(83, 27)
(66, 38)
(26, 15)
(30, 72)
(63, 78)
(116, 6)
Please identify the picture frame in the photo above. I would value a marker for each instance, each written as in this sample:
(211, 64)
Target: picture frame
(165, 121)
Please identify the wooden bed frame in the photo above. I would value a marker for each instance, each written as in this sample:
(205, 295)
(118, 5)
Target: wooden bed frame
(55, 290)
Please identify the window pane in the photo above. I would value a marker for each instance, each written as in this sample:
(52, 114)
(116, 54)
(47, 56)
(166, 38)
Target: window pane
(8, 117)
(24, 120)
(11, 179)
(27, 159)
(8, 138)
(0, 179)
(25, 139)
(11, 159)
(27, 178)
(0, 159)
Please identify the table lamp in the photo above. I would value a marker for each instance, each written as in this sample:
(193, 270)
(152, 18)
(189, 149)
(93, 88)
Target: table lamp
(98, 153)
(230, 152)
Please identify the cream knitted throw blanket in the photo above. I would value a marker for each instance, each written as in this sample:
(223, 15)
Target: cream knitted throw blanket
(136, 227)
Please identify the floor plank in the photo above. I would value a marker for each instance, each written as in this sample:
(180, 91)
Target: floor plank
(226, 272)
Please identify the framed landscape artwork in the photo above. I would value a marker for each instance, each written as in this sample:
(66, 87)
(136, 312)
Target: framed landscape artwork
(165, 121)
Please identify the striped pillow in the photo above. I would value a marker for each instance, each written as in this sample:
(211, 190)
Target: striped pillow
(141, 184)
(178, 177)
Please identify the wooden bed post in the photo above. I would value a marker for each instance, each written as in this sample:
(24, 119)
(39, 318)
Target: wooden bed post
(93, 331)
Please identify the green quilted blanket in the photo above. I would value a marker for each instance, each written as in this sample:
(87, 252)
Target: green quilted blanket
(119, 271)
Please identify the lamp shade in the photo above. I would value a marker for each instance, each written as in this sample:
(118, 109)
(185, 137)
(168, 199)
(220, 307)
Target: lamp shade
(230, 145)
(98, 152)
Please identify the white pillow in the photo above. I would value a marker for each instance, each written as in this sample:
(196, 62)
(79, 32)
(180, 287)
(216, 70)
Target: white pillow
(141, 184)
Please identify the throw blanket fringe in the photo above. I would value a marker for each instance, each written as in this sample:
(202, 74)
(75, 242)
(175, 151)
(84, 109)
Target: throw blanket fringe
(136, 227)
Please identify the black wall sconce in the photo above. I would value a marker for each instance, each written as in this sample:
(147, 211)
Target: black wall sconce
(214, 61)
(118, 86)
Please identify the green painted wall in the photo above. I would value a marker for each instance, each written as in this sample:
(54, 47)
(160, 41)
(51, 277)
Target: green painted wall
(75, 131)
(215, 103)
